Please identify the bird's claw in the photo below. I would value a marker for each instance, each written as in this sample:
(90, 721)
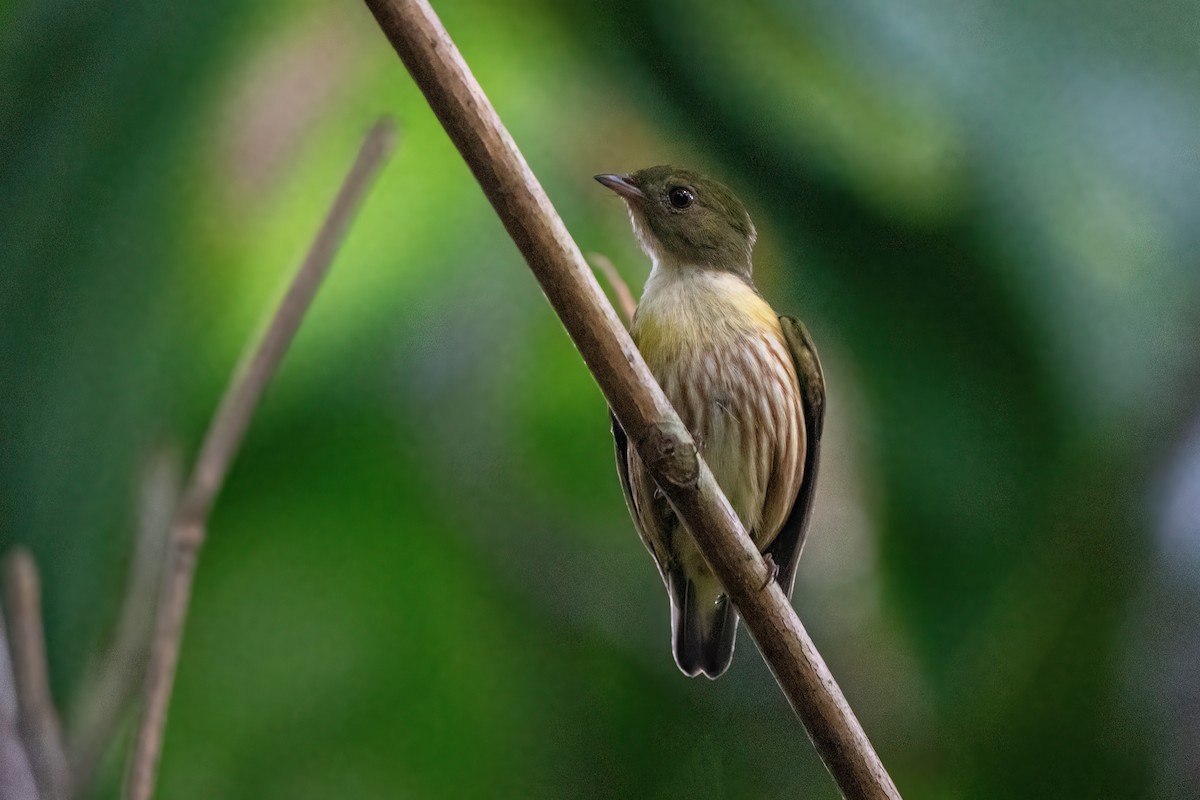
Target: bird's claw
(772, 571)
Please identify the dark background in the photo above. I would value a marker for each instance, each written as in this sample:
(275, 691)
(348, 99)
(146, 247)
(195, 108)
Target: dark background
(421, 579)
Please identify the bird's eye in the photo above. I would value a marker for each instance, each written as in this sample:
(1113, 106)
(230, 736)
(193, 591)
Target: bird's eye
(680, 197)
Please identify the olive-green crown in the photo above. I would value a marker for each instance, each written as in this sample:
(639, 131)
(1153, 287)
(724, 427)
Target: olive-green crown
(686, 218)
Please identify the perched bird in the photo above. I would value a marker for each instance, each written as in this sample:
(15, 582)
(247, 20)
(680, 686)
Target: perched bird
(746, 383)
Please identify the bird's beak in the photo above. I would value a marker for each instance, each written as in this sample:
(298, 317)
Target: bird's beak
(621, 185)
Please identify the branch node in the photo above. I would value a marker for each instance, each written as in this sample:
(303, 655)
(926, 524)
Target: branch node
(189, 537)
(671, 452)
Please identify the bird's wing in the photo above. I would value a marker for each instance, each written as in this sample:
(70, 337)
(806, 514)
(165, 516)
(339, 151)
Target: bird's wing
(622, 445)
(661, 515)
(785, 549)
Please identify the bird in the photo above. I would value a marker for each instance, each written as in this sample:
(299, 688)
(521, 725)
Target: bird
(746, 382)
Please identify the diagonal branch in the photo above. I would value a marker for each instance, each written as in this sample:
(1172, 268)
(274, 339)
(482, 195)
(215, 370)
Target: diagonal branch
(38, 720)
(653, 428)
(221, 444)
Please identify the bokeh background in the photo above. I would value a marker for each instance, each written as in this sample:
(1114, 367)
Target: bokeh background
(421, 580)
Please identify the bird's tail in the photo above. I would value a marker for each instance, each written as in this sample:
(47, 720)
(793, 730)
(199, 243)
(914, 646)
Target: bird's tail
(703, 625)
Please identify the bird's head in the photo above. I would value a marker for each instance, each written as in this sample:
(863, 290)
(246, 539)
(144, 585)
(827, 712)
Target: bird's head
(686, 219)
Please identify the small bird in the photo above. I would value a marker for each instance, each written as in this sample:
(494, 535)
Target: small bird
(745, 381)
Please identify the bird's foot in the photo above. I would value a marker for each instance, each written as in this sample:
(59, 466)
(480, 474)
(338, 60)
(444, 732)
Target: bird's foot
(772, 571)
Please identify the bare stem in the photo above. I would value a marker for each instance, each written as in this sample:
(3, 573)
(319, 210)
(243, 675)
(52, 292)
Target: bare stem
(104, 702)
(16, 776)
(38, 720)
(221, 444)
(625, 302)
(653, 428)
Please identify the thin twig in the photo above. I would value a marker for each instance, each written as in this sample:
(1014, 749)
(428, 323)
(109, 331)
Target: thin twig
(221, 444)
(625, 302)
(37, 716)
(651, 424)
(105, 700)
(16, 776)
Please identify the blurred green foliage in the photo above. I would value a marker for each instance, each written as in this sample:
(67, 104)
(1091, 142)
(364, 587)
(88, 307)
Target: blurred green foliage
(421, 580)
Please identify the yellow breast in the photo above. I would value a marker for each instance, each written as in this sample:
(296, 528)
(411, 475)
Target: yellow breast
(718, 351)
(681, 308)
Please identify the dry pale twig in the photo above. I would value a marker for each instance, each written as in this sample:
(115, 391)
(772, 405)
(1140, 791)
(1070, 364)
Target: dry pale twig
(37, 718)
(625, 302)
(16, 776)
(105, 700)
(651, 424)
(221, 444)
